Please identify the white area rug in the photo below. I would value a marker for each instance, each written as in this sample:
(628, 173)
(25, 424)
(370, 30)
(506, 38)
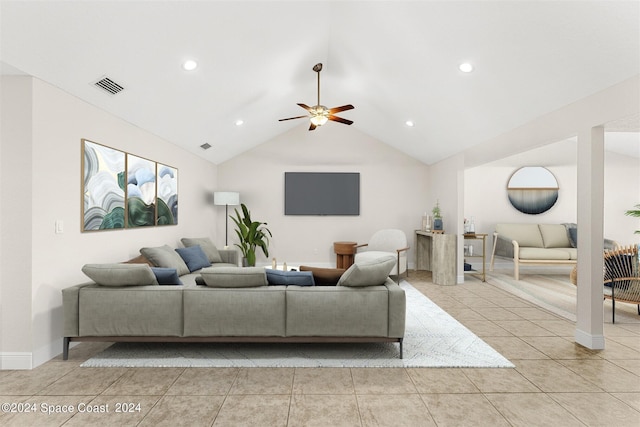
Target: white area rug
(432, 339)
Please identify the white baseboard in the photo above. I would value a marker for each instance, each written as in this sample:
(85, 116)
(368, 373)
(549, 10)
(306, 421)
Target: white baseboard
(16, 360)
(593, 342)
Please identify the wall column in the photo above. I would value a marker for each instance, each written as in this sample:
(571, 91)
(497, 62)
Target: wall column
(589, 305)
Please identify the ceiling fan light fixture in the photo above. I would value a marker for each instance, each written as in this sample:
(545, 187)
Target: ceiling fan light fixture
(319, 119)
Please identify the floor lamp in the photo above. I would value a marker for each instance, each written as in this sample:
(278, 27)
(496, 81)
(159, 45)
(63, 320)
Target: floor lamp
(226, 198)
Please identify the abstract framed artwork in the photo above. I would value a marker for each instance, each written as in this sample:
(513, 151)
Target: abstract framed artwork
(167, 201)
(532, 190)
(141, 192)
(121, 190)
(103, 190)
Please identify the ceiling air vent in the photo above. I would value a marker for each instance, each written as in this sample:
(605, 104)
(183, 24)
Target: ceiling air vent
(205, 146)
(108, 85)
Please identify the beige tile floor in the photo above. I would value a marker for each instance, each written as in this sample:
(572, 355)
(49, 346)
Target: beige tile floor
(555, 382)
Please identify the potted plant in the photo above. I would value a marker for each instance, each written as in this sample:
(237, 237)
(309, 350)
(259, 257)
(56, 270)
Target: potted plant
(252, 234)
(437, 216)
(635, 213)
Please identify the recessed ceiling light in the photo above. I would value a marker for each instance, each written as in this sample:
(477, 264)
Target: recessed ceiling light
(410, 123)
(239, 122)
(465, 67)
(189, 65)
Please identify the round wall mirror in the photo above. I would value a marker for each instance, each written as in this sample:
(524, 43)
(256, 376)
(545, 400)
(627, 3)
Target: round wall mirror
(532, 190)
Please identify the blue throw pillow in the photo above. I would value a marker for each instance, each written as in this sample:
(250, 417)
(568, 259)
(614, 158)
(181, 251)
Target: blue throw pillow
(298, 278)
(166, 276)
(194, 257)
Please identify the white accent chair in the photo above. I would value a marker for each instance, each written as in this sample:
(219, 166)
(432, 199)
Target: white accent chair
(386, 242)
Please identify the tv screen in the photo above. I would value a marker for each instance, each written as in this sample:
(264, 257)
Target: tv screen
(321, 193)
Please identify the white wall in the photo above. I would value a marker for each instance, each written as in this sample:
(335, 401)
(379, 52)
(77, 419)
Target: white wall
(50, 182)
(486, 196)
(15, 221)
(446, 186)
(393, 190)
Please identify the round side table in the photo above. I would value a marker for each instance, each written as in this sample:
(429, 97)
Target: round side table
(344, 253)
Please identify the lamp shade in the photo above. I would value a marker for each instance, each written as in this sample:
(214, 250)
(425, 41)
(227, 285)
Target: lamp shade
(226, 198)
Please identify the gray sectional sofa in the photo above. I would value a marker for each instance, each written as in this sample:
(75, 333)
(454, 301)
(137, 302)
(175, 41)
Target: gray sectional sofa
(233, 304)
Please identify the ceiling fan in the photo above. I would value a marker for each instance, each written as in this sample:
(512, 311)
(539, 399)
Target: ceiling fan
(319, 114)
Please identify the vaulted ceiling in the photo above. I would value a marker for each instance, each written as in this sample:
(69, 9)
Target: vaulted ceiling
(393, 60)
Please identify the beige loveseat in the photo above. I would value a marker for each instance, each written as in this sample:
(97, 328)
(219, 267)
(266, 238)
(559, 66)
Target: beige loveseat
(233, 304)
(537, 244)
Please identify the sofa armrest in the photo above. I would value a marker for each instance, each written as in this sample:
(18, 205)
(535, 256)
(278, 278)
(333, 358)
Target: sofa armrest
(71, 309)
(504, 246)
(397, 309)
(229, 256)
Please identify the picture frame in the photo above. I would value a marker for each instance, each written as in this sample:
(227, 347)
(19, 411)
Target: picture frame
(103, 188)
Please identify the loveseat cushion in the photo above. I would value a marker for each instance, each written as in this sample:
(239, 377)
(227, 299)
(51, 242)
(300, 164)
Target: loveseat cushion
(554, 236)
(120, 274)
(298, 278)
(368, 273)
(166, 276)
(165, 256)
(545, 254)
(234, 277)
(525, 234)
(207, 246)
(194, 257)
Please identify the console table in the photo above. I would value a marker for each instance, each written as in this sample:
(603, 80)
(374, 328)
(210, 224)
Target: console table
(469, 254)
(436, 252)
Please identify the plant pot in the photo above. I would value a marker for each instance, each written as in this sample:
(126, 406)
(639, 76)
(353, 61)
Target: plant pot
(437, 223)
(249, 260)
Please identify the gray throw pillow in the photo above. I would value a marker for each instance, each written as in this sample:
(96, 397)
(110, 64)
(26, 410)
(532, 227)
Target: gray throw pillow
(194, 257)
(298, 278)
(368, 273)
(234, 277)
(207, 246)
(120, 274)
(165, 256)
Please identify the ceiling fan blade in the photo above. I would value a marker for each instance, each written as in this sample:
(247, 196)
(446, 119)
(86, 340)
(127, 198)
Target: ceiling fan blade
(306, 107)
(343, 108)
(312, 127)
(292, 118)
(340, 120)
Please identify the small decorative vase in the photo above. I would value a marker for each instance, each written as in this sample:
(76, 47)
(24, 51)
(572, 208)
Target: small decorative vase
(245, 263)
(437, 223)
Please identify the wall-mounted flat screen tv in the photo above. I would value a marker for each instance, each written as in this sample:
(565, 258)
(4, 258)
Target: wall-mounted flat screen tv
(321, 193)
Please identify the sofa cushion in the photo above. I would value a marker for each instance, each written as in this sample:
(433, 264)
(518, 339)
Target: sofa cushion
(368, 273)
(234, 277)
(120, 274)
(194, 257)
(166, 276)
(554, 236)
(165, 256)
(207, 246)
(544, 254)
(298, 278)
(525, 234)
